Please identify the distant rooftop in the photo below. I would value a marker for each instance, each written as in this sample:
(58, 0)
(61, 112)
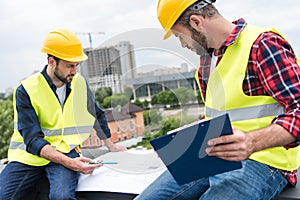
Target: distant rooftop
(125, 112)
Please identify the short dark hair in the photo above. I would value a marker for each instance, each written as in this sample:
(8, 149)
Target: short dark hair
(206, 12)
(55, 58)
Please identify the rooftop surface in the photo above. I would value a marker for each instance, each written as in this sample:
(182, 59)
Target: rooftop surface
(121, 181)
(136, 169)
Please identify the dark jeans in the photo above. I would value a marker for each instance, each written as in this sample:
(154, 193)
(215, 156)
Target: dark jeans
(255, 181)
(19, 181)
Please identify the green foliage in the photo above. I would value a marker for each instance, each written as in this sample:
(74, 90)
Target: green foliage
(187, 119)
(138, 103)
(102, 93)
(146, 116)
(6, 126)
(165, 127)
(167, 97)
(155, 100)
(115, 100)
(164, 98)
(143, 104)
(2, 96)
(128, 92)
(106, 102)
(168, 125)
(199, 97)
(185, 95)
(152, 117)
(145, 143)
(172, 97)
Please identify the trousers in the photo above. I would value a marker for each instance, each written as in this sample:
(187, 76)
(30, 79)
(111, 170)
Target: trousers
(254, 181)
(18, 180)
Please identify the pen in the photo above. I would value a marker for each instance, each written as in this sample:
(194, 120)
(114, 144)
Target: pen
(109, 163)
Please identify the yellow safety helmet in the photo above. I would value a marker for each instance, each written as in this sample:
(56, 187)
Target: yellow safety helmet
(168, 11)
(65, 45)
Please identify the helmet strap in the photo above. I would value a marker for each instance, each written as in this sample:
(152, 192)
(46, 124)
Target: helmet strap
(196, 7)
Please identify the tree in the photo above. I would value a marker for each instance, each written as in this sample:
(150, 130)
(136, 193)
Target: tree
(2, 96)
(155, 100)
(138, 103)
(164, 98)
(168, 125)
(152, 116)
(145, 104)
(129, 93)
(115, 100)
(184, 95)
(171, 98)
(6, 126)
(102, 93)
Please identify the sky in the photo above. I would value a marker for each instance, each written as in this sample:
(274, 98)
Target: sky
(25, 24)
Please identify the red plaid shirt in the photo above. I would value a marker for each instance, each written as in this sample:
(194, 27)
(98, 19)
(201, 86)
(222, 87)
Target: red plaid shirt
(272, 70)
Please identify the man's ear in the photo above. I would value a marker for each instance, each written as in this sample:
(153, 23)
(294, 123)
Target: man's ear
(196, 22)
(51, 61)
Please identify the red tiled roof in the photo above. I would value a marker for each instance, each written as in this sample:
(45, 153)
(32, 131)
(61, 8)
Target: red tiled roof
(126, 112)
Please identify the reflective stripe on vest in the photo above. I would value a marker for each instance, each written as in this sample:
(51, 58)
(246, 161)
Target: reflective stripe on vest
(247, 113)
(67, 131)
(225, 93)
(22, 146)
(63, 128)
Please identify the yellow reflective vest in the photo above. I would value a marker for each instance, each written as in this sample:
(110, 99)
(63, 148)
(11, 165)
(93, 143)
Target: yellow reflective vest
(225, 95)
(64, 128)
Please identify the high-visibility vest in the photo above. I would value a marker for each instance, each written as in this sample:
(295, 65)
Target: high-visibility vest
(64, 128)
(248, 113)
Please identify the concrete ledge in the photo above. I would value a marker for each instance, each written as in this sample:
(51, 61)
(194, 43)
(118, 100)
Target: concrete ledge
(290, 193)
(104, 196)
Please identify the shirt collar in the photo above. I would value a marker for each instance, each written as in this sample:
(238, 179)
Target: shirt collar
(240, 25)
(49, 81)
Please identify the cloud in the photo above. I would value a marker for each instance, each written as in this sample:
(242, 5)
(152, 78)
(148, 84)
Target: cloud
(24, 25)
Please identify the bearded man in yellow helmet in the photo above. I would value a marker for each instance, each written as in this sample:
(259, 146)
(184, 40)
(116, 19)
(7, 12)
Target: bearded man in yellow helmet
(252, 74)
(54, 113)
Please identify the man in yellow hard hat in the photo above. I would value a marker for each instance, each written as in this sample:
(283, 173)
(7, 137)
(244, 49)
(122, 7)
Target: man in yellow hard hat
(54, 113)
(252, 74)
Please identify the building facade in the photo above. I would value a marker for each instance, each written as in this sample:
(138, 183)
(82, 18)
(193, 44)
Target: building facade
(125, 123)
(127, 58)
(145, 87)
(103, 68)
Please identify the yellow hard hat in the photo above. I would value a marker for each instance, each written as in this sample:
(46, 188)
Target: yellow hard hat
(65, 45)
(168, 11)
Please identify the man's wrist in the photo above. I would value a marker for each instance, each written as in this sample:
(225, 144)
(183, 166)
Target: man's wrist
(108, 143)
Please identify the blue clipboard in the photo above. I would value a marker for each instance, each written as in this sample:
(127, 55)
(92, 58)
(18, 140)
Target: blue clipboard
(183, 150)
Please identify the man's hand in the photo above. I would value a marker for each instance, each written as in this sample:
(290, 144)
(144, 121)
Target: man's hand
(114, 147)
(235, 147)
(81, 164)
(239, 146)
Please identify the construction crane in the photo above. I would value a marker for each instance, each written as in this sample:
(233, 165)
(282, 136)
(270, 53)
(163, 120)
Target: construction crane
(90, 36)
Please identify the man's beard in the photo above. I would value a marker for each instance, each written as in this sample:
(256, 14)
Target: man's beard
(62, 78)
(199, 42)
